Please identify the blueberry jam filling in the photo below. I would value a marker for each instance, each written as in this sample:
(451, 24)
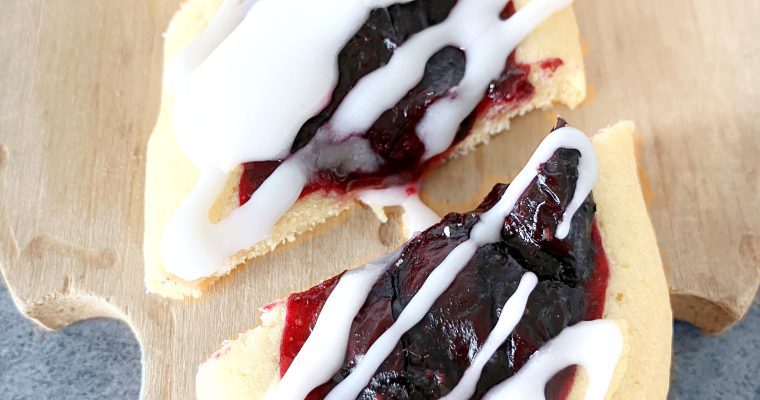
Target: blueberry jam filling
(392, 137)
(431, 358)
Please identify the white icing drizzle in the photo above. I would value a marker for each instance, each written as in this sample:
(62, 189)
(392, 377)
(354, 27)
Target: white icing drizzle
(566, 137)
(487, 42)
(246, 100)
(277, 68)
(417, 216)
(486, 52)
(318, 359)
(510, 315)
(436, 283)
(193, 247)
(224, 22)
(594, 345)
(485, 231)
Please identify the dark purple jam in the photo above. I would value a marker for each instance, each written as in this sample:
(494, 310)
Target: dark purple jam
(392, 137)
(431, 357)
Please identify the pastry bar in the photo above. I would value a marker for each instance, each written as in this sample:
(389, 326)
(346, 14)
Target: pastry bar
(552, 287)
(277, 114)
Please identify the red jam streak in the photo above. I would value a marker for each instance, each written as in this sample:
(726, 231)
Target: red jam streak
(596, 286)
(551, 65)
(254, 174)
(432, 357)
(393, 137)
(511, 90)
(302, 309)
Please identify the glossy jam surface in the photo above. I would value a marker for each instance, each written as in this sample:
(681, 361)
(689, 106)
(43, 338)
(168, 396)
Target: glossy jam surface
(254, 174)
(392, 137)
(432, 356)
(299, 320)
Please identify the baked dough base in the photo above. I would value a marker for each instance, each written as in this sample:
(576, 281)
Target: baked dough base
(170, 175)
(637, 297)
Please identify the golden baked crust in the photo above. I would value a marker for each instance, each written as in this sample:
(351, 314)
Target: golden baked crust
(170, 175)
(637, 291)
(637, 296)
(246, 367)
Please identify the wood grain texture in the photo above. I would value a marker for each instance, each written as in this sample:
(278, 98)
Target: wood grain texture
(79, 93)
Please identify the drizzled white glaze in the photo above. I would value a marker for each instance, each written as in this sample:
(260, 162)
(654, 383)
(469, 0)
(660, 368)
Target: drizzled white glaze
(566, 137)
(510, 315)
(246, 100)
(594, 345)
(473, 26)
(436, 283)
(193, 247)
(486, 52)
(485, 231)
(316, 362)
(417, 216)
(224, 22)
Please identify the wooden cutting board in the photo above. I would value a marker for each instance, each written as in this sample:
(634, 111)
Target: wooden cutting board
(79, 94)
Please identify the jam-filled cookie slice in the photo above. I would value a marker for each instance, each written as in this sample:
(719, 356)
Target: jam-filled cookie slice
(277, 114)
(546, 289)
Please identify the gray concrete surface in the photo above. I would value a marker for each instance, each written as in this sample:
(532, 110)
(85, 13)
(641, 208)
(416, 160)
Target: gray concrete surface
(95, 359)
(100, 359)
